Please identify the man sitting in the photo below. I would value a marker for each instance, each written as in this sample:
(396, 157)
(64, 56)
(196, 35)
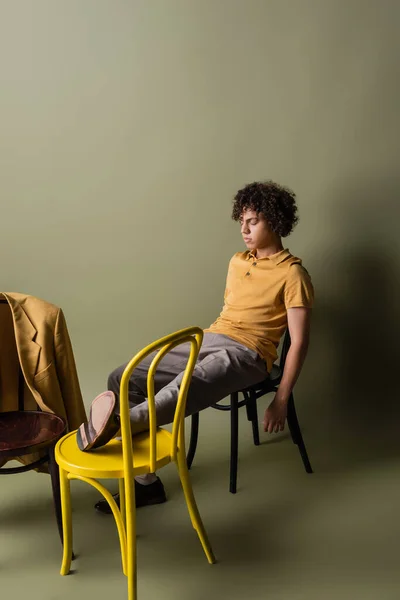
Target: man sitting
(267, 290)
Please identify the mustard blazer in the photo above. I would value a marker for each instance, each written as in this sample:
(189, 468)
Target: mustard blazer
(34, 335)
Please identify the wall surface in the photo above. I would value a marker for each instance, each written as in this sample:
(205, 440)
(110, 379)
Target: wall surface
(127, 127)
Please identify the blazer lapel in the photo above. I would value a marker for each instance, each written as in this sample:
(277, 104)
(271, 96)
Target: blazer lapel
(25, 333)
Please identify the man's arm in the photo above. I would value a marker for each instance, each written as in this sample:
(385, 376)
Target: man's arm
(299, 329)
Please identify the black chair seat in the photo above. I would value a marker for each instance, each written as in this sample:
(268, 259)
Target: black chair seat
(259, 389)
(269, 383)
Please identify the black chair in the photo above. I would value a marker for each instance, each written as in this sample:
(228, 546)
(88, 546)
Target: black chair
(24, 432)
(250, 396)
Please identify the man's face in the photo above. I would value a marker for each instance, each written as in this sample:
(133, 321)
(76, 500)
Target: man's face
(255, 230)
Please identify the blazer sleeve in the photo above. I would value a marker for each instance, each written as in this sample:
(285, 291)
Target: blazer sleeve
(67, 375)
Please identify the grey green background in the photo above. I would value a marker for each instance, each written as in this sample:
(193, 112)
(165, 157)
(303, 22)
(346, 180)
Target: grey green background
(126, 127)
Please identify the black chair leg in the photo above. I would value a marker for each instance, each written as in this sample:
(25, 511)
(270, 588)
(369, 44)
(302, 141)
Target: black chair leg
(194, 434)
(252, 415)
(292, 420)
(249, 406)
(55, 484)
(254, 420)
(234, 441)
(295, 432)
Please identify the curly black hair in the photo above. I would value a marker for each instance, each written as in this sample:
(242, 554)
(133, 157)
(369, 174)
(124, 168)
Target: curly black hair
(275, 202)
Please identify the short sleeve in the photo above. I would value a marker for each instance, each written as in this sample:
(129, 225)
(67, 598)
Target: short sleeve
(299, 290)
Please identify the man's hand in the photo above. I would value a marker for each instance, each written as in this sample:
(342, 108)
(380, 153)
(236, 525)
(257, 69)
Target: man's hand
(275, 416)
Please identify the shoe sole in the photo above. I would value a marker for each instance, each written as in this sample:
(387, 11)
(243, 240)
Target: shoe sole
(102, 425)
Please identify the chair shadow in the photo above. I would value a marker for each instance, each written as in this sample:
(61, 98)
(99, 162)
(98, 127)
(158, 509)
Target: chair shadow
(351, 388)
(17, 515)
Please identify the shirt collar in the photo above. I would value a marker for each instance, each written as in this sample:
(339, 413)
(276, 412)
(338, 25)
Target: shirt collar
(274, 258)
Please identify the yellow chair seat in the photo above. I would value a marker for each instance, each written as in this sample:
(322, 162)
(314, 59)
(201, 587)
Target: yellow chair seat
(106, 462)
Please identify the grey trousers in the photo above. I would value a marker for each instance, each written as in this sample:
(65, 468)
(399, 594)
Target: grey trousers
(223, 366)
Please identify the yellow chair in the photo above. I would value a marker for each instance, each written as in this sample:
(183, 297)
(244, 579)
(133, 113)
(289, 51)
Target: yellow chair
(144, 453)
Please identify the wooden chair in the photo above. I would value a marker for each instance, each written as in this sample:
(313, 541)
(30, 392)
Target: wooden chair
(250, 396)
(24, 432)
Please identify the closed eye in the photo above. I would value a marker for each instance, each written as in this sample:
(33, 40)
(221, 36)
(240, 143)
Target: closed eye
(250, 222)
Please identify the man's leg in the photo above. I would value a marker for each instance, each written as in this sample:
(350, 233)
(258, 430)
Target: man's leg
(168, 369)
(225, 366)
(170, 366)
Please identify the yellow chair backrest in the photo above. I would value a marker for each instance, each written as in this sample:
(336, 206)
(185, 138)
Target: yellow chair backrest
(193, 335)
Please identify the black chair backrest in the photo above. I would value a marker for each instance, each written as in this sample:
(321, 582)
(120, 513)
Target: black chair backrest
(21, 379)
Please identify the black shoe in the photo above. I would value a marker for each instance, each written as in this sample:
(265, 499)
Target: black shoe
(144, 495)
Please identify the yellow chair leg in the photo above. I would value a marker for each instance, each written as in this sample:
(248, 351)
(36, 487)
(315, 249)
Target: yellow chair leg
(66, 522)
(115, 511)
(131, 541)
(122, 499)
(192, 507)
(119, 521)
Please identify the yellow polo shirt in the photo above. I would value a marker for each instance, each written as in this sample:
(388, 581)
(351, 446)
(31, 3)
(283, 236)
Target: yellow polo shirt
(258, 293)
